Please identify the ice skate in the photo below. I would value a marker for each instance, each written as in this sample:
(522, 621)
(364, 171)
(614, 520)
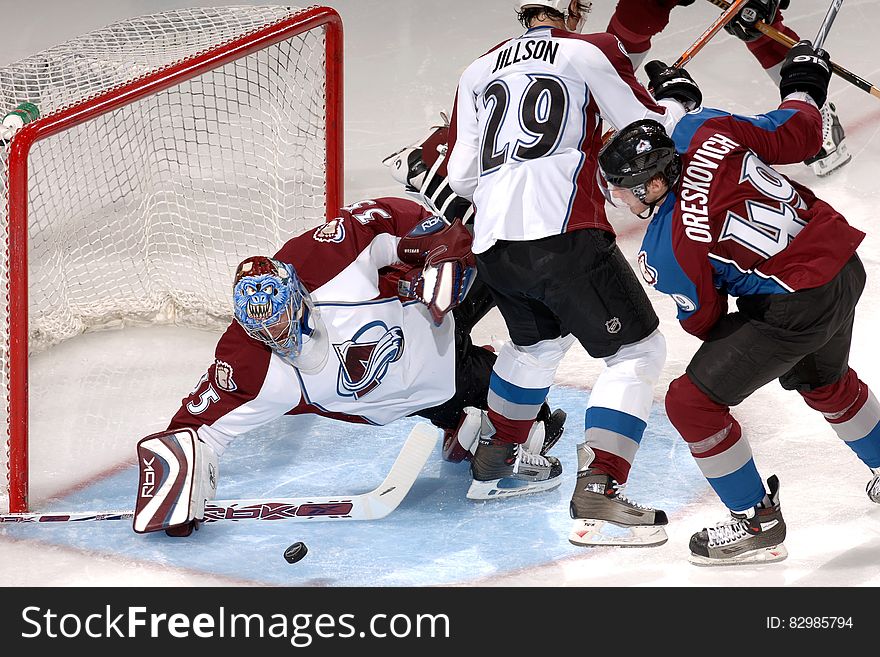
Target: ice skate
(751, 536)
(873, 487)
(503, 470)
(834, 153)
(604, 516)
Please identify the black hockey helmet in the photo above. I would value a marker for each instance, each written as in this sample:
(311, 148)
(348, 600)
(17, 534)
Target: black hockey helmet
(638, 153)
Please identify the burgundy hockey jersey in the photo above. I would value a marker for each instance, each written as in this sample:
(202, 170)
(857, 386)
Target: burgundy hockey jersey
(735, 226)
(384, 359)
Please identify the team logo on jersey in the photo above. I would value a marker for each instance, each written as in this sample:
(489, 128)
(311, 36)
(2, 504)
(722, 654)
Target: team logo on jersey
(364, 360)
(332, 231)
(613, 325)
(223, 376)
(684, 303)
(647, 271)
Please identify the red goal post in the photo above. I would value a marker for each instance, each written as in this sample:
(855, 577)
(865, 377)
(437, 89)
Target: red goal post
(180, 138)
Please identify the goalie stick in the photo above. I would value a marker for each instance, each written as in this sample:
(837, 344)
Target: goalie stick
(372, 505)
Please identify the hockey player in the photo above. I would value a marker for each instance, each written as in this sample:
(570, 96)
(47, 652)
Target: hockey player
(635, 22)
(727, 223)
(523, 142)
(350, 320)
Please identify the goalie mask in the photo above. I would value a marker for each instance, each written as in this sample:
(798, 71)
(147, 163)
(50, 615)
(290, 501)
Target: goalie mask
(272, 305)
(422, 171)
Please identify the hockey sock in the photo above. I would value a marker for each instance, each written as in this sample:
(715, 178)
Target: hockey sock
(715, 440)
(853, 412)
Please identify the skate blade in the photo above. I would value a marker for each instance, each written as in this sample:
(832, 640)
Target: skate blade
(496, 489)
(764, 555)
(840, 157)
(596, 533)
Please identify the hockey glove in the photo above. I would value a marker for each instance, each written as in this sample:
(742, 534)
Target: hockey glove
(676, 83)
(441, 288)
(742, 26)
(806, 69)
(444, 265)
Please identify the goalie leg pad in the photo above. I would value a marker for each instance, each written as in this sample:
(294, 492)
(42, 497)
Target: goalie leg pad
(178, 475)
(461, 444)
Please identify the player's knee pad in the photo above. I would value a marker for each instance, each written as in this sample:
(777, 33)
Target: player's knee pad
(178, 475)
(641, 361)
(535, 365)
(628, 380)
(694, 414)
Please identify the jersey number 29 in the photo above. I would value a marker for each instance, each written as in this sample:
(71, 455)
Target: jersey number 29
(540, 118)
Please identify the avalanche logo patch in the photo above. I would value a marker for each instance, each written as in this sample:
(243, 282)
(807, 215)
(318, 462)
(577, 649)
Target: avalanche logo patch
(364, 360)
(647, 271)
(684, 303)
(223, 376)
(332, 231)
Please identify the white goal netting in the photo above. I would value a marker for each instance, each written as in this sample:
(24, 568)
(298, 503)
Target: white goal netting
(141, 214)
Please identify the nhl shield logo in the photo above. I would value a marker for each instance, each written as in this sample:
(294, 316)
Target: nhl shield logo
(364, 360)
(612, 325)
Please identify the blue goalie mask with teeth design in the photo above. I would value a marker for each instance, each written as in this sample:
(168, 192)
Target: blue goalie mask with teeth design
(271, 304)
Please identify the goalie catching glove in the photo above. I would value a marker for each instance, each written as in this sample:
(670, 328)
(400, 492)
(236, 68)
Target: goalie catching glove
(443, 266)
(178, 475)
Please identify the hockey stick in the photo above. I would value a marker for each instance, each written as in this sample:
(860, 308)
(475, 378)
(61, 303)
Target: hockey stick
(825, 27)
(373, 505)
(726, 16)
(786, 40)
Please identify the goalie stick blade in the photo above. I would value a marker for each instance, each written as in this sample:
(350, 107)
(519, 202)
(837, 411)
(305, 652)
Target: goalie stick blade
(372, 505)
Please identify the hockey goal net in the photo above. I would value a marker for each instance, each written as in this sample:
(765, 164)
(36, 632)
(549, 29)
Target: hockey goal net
(169, 147)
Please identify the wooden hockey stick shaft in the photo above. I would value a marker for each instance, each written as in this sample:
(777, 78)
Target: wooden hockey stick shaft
(726, 16)
(786, 40)
(372, 505)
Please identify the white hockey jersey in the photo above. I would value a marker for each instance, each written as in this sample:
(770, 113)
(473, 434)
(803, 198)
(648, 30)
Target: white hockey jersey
(385, 359)
(527, 128)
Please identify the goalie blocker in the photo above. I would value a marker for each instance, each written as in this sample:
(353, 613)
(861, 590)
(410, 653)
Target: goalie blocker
(443, 266)
(178, 475)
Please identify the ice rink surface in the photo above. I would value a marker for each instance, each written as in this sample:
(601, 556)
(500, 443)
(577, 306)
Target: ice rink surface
(402, 61)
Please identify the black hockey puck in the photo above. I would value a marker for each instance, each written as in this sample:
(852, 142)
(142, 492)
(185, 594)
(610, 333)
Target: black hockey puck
(296, 552)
